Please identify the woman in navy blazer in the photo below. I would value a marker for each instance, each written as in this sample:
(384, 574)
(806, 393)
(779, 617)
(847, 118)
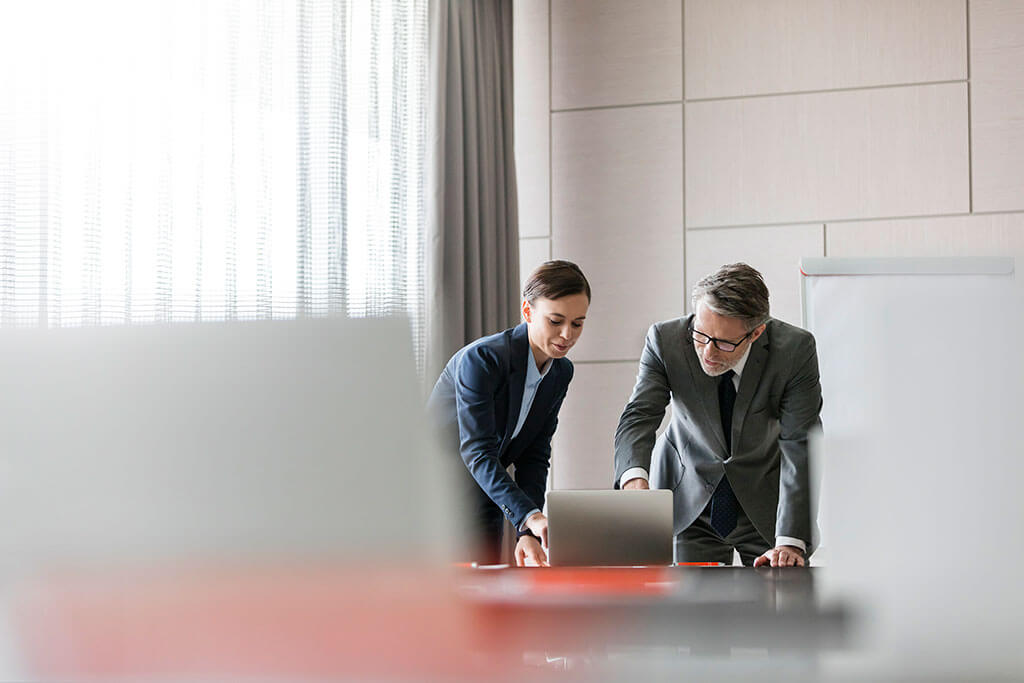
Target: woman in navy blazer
(497, 402)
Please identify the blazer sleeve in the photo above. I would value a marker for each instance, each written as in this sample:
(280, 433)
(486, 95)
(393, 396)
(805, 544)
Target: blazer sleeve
(800, 410)
(479, 376)
(638, 425)
(532, 466)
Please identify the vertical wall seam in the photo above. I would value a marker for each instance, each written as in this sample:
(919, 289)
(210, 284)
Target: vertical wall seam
(682, 113)
(970, 136)
(551, 163)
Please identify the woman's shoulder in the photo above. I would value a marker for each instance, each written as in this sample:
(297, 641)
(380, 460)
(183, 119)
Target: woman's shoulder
(494, 349)
(564, 367)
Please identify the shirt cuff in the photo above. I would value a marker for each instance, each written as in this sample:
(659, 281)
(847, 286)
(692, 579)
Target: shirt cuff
(789, 540)
(522, 527)
(632, 473)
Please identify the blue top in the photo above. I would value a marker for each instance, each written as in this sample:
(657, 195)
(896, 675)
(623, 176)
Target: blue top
(534, 375)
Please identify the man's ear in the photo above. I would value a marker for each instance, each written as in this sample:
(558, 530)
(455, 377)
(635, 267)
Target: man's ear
(758, 331)
(527, 311)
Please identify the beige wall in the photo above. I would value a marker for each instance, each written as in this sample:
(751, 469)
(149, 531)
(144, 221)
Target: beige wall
(658, 139)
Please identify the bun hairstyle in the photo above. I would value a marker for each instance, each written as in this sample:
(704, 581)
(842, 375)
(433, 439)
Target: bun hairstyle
(555, 279)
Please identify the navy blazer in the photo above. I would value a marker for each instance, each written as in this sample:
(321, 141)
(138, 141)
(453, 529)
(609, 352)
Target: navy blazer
(477, 400)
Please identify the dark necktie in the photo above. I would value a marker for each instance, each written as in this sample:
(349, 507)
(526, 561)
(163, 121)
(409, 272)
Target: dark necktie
(724, 506)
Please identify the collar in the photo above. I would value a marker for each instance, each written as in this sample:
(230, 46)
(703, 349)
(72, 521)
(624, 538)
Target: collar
(533, 373)
(738, 368)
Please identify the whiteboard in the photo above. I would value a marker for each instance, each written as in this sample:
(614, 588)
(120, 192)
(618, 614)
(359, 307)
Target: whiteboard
(922, 457)
(895, 270)
(849, 304)
(891, 333)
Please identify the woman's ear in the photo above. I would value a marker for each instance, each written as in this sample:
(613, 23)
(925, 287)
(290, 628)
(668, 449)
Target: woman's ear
(527, 312)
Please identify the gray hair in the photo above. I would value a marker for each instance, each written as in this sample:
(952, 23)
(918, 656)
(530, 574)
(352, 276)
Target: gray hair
(735, 290)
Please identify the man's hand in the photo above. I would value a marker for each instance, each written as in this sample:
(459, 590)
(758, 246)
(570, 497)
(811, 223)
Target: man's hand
(783, 556)
(636, 484)
(528, 548)
(538, 524)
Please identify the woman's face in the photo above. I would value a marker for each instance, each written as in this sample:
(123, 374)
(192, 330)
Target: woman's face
(555, 324)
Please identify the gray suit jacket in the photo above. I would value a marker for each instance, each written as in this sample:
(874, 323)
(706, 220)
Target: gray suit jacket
(778, 402)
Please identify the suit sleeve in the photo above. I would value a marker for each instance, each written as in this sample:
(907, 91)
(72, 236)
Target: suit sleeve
(638, 425)
(532, 466)
(478, 378)
(800, 411)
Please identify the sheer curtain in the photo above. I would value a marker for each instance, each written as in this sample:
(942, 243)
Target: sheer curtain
(182, 160)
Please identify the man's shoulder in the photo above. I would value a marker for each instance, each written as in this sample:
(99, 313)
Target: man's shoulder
(784, 337)
(668, 334)
(671, 327)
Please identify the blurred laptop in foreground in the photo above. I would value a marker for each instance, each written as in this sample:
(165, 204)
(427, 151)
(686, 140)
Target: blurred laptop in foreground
(176, 497)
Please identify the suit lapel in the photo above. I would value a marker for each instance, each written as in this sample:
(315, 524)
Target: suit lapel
(519, 347)
(749, 380)
(706, 389)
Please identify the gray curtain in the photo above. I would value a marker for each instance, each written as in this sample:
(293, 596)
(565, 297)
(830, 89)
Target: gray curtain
(472, 244)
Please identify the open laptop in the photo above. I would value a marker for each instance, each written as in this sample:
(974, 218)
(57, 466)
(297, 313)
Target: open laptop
(610, 528)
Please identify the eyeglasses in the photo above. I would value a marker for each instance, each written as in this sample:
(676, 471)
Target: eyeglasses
(720, 344)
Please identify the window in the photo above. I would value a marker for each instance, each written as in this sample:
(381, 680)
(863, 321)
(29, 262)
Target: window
(180, 160)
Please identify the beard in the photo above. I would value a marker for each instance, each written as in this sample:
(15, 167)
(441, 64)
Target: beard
(720, 369)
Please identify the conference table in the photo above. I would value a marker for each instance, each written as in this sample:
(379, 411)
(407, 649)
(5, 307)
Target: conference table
(679, 610)
(402, 621)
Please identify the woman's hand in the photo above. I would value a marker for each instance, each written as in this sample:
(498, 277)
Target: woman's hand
(538, 524)
(528, 548)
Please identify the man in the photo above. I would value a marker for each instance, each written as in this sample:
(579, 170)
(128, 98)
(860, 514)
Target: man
(745, 392)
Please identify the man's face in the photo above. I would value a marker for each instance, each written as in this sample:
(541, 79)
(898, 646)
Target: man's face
(714, 361)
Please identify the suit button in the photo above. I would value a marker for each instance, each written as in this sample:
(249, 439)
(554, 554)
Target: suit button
(709, 487)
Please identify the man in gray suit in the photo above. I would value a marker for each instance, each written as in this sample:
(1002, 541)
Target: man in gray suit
(745, 393)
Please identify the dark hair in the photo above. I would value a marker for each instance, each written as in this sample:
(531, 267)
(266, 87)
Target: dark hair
(735, 290)
(555, 279)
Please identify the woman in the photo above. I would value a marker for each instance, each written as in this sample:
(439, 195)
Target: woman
(498, 399)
